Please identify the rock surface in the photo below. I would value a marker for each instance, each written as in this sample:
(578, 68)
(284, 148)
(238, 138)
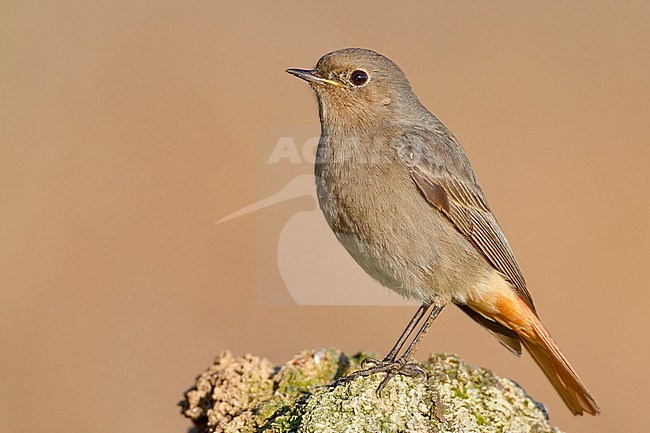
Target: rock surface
(251, 394)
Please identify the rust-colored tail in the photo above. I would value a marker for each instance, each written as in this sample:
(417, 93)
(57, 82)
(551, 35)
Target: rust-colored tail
(507, 309)
(558, 370)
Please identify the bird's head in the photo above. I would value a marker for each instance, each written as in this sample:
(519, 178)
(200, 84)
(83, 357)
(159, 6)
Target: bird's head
(356, 85)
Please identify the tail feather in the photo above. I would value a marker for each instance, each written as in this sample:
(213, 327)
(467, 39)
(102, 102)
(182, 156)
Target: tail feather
(558, 370)
(506, 308)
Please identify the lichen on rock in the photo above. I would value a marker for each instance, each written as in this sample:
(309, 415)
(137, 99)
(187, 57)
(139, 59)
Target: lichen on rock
(251, 395)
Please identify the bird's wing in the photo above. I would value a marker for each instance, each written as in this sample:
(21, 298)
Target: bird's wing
(444, 176)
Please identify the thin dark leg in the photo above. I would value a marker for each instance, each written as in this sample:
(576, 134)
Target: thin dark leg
(407, 332)
(423, 330)
(392, 355)
(402, 365)
(392, 366)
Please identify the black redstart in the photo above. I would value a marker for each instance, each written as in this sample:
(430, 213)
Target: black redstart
(399, 193)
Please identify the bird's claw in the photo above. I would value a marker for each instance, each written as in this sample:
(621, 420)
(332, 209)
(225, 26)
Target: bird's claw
(392, 368)
(370, 362)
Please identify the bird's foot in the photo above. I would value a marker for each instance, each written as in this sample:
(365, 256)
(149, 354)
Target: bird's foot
(391, 367)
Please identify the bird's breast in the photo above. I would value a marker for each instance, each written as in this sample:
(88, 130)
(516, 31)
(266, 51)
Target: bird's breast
(358, 187)
(367, 200)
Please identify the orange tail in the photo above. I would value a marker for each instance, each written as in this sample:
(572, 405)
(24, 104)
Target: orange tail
(558, 370)
(509, 310)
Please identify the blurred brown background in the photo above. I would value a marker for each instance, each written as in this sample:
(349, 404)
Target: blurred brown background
(128, 128)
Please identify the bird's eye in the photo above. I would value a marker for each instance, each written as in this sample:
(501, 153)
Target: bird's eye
(359, 77)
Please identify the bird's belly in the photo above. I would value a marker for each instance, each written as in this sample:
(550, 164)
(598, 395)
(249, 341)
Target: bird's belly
(401, 241)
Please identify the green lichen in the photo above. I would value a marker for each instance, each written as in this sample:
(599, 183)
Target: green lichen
(308, 369)
(480, 419)
(250, 395)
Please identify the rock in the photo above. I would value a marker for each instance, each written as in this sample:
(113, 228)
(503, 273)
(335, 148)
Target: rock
(250, 394)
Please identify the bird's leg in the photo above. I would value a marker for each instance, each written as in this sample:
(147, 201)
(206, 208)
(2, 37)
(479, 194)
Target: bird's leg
(401, 365)
(392, 355)
(423, 330)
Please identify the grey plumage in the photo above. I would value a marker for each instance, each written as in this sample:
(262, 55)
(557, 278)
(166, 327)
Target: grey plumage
(401, 196)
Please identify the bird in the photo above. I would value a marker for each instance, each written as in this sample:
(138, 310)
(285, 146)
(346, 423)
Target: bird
(399, 193)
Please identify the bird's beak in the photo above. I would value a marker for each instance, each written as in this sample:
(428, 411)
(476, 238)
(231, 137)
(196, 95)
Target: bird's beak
(310, 77)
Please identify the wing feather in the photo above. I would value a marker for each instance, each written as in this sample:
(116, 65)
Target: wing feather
(431, 157)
